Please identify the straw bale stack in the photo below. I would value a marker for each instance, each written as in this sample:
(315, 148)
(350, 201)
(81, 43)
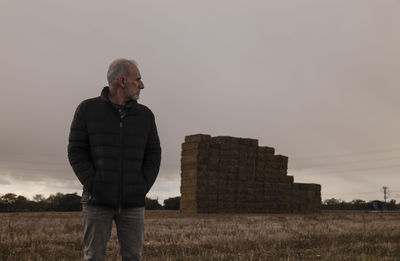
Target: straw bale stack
(234, 175)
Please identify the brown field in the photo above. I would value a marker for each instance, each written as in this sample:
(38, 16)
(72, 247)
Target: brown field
(173, 236)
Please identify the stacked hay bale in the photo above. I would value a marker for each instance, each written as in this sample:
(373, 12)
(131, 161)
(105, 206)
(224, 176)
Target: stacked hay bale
(272, 170)
(305, 197)
(227, 175)
(195, 176)
(236, 165)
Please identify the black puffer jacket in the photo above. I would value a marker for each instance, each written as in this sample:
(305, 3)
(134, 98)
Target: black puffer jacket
(116, 160)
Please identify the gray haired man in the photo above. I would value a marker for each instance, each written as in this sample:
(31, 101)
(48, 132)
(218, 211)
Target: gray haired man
(114, 150)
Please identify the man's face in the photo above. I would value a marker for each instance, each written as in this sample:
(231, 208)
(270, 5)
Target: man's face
(133, 84)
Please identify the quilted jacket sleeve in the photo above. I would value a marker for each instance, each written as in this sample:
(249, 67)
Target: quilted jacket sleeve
(79, 149)
(152, 156)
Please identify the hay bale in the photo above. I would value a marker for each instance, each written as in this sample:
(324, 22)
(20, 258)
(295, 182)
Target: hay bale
(198, 138)
(226, 174)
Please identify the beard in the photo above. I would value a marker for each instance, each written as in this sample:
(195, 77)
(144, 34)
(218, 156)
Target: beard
(133, 95)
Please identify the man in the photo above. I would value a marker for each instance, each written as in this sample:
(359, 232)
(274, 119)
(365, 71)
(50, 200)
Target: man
(115, 152)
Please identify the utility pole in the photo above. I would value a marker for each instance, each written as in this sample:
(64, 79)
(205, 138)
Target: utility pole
(385, 196)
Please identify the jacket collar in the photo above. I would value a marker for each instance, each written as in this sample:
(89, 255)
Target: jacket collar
(129, 104)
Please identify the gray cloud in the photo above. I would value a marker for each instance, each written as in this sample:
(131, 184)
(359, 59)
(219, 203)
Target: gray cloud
(4, 182)
(309, 78)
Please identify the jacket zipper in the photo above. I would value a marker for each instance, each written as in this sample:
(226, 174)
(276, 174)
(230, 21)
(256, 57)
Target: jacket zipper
(122, 167)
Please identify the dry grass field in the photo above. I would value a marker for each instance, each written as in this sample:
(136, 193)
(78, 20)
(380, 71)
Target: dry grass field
(173, 236)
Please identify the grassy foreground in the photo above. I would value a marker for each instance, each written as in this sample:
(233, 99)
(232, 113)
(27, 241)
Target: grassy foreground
(173, 236)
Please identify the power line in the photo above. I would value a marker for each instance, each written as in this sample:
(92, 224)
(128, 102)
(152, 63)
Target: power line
(316, 171)
(349, 160)
(375, 194)
(333, 161)
(339, 167)
(344, 154)
(350, 193)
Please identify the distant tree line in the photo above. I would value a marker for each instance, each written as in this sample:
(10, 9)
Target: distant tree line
(11, 202)
(358, 204)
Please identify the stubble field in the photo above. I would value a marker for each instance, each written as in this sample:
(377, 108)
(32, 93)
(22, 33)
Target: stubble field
(173, 236)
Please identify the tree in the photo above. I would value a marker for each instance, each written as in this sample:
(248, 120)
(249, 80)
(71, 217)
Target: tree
(334, 204)
(392, 205)
(21, 202)
(333, 201)
(53, 201)
(38, 198)
(4, 206)
(152, 204)
(69, 202)
(9, 198)
(357, 202)
(61, 202)
(172, 203)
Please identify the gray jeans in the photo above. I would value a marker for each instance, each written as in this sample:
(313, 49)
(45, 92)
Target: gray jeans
(97, 225)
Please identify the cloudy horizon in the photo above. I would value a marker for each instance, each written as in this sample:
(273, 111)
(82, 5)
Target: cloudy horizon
(316, 80)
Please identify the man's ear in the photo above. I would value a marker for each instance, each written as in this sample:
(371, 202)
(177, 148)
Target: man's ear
(122, 81)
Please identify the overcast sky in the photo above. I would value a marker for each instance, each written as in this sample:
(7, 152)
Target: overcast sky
(317, 80)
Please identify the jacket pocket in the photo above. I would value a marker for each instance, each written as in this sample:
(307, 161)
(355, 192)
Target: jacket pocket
(141, 186)
(88, 186)
(86, 197)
